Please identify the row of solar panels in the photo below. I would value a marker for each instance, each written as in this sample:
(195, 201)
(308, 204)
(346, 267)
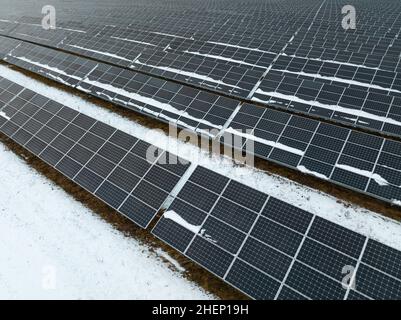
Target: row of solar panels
(333, 85)
(266, 248)
(188, 18)
(377, 32)
(377, 23)
(359, 161)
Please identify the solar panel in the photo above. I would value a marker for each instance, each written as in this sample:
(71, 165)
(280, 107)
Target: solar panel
(204, 69)
(167, 101)
(283, 54)
(6, 26)
(362, 104)
(314, 66)
(6, 45)
(269, 249)
(356, 160)
(107, 162)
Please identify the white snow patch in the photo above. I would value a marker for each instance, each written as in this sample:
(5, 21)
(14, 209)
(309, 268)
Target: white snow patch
(330, 61)
(351, 82)
(31, 36)
(378, 178)
(352, 217)
(83, 89)
(69, 29)
(174, 216)
(46, 66)
(171, 35)
(313, 173)
(207, 236)
(135, 96)
(397, 202)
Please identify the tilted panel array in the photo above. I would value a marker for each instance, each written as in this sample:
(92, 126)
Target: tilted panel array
(350, 76)
(118, 168)
(262, 246)
(168, 101)
(235, 80)
(356, 160)
(272, 250)
(359, 161)
(306, 61)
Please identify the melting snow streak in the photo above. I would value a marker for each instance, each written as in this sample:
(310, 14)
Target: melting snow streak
(172, 215)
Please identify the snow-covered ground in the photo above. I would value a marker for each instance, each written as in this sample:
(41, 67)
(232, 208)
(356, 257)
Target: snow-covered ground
(52, 247)
(352, 217)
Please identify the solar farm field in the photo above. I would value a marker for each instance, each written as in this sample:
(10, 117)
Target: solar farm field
(256, 143)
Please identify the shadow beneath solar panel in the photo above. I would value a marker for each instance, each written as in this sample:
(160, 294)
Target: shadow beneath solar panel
(348, 196)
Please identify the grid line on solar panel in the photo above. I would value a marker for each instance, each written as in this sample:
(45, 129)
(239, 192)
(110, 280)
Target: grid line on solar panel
(382, 257)
(189, 243)
(316, 285)
(128, 58)
(60, 157)
(356, 295)
(305, 231)
(288, 293)
(76, 173)
(223, 33)
(377, 284)
(215, 202)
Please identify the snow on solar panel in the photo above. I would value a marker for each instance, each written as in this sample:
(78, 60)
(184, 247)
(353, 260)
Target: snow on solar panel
(306, 63)
(362, 162)
(270, 249)
(167, 101)
(106, 162)
(315, 67)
